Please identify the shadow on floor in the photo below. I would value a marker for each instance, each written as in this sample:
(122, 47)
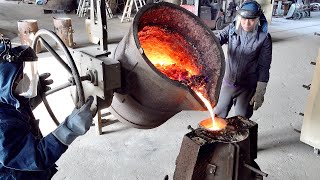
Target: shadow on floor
(278, 139)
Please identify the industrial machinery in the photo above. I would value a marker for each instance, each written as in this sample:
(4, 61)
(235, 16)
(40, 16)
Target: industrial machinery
(224, 154)
(216, 13)
(298, 10)
(158, 69)
(129, 84)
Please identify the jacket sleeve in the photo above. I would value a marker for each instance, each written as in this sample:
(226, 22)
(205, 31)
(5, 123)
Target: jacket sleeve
(223, 35)
(264, 61)
(20, 150)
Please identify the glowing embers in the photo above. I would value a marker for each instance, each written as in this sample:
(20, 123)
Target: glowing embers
(169, 52)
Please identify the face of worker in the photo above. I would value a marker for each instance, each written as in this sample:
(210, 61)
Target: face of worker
(248, 24)
(21, 84)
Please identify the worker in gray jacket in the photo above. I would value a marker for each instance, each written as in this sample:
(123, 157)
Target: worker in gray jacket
(247, 63)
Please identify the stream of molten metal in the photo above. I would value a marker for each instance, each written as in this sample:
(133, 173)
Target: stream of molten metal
(216, 123)
(173, 56)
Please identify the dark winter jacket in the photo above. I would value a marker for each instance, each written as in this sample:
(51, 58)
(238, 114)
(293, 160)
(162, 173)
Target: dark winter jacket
(24, 153)
(249, 55)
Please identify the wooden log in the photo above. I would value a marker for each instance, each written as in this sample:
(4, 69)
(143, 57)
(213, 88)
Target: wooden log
(27, 29)
(93, 39)
(63, 28)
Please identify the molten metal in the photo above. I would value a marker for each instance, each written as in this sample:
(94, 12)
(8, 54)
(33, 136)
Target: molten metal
(147, 97)
(172, 55)
(213, 123)
(169, 52)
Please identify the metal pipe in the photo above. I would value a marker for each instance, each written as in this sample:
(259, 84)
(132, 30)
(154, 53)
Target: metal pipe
(51, 91)
(82, 78)
(256, 170)
(68, 84)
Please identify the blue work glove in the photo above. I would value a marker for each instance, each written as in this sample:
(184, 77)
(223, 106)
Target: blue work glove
(76, 124)
(43, 86)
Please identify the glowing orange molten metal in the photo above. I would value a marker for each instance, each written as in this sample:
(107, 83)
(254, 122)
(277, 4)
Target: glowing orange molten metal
(172, 55)
(169, 52)
(213, 123)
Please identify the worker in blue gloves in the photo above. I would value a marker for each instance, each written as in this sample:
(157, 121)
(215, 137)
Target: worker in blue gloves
(247, 63)
(24, 153)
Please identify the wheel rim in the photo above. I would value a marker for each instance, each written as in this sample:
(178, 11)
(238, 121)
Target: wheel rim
(72, 69)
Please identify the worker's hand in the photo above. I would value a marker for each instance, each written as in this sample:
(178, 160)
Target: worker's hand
(258, 96)
(44, 82)
(76, 124)
(43, 86)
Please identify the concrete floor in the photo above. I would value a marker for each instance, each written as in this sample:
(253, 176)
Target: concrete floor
(124, 153)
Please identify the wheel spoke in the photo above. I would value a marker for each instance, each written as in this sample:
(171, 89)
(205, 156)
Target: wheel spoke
(46, 104)
(58, 88)
(55, 54)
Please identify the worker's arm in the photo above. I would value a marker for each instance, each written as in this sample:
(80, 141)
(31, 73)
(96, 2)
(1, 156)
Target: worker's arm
(264, 63)
(20, 150)
(264, 60)
(223, 35)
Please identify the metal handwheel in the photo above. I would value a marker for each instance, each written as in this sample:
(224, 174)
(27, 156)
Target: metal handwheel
(72, 69)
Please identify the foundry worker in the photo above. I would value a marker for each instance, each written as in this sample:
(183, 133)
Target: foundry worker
(247, 63)
(24, 153)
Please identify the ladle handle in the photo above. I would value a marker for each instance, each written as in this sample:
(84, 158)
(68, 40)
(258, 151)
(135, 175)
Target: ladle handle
(256, 170)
